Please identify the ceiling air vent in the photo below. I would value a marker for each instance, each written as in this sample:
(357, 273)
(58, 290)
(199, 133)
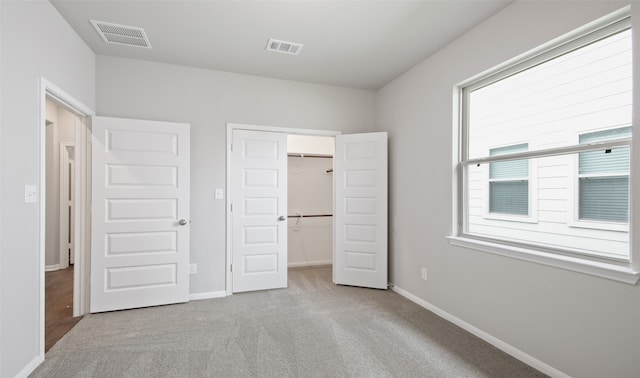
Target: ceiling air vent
(122, 34)
(284, 47)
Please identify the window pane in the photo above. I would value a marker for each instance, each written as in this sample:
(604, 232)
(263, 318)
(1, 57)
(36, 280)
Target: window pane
(522, 147)
(574, 202)
(604, 135)
(509, 197)
(616, 161)
(550, 103)
(509, 169)
(604, 198)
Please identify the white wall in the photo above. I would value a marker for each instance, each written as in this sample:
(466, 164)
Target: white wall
(208, 100)
(35, 42)
(582, 325)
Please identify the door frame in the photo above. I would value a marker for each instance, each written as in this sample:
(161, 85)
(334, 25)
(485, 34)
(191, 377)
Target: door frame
(82, 132)
(229, 222)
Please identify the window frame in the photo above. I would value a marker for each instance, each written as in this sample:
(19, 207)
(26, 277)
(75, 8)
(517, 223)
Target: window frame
(619, 269)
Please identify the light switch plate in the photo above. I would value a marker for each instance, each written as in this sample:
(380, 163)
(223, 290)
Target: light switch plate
(30, 193)
(219, 194)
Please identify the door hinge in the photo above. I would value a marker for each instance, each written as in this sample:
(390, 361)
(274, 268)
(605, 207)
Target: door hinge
(231, 147)
(231, 268)
(231, 207)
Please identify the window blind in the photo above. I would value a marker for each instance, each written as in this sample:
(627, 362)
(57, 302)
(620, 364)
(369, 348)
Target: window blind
(509, 197)
(509, 169)
(604, 199)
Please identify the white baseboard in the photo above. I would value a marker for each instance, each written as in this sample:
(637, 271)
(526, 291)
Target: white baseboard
(207, 295)
(31, 366)
(51, 268)
(507, 348)
(305, 264)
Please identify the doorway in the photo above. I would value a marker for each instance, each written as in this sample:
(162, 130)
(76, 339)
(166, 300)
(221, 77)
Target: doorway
(59, 221)
(59, 186)
(64, 127)
(310, 200)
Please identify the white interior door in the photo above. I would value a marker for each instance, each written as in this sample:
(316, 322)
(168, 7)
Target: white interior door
(140, 214)
(360, 174)
(259, 210)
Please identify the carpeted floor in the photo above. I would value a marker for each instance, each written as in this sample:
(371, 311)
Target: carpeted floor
(311, 329)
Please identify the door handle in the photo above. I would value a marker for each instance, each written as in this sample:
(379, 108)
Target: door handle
(182, 222)
(281, 218)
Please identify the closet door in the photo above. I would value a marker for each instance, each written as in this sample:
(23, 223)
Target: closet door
(259, 210)
(360, 173)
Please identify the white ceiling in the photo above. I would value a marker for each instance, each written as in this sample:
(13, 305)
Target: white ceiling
(353, 43)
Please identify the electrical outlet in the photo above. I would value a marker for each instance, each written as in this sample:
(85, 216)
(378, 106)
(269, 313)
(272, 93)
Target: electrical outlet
(193, 268)
(424, 274)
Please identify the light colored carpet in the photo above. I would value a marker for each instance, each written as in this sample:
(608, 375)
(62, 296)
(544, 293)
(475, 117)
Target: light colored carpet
(311, 329)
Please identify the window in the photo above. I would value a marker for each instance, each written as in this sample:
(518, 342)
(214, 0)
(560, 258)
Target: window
(548, 139)
(604, 179)
(509, 183)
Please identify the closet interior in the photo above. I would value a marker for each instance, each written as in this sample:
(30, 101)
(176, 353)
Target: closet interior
(310, 200)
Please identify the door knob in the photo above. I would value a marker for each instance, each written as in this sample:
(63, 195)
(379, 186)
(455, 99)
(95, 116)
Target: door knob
(182, 222)
(281, 218)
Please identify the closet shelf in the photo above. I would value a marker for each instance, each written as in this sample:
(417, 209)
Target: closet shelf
(310, 215)
(310, 155)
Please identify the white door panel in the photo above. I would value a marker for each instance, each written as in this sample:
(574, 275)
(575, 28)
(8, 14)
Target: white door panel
(140, 191)
(259, 199)
(360, 174)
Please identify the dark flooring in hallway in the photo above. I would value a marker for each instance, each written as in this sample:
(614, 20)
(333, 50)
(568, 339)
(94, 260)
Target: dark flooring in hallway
(58, 305)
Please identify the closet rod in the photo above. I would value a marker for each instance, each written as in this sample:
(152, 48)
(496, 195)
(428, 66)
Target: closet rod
(310, 155)
(310, 216)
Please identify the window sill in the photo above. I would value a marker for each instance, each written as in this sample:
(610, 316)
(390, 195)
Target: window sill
(511, 218)
(604, 226)
(595, 268)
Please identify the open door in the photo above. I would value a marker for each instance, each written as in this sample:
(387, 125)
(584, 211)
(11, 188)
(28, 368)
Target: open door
(360, 237)
(259, 210)
(140, 214)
